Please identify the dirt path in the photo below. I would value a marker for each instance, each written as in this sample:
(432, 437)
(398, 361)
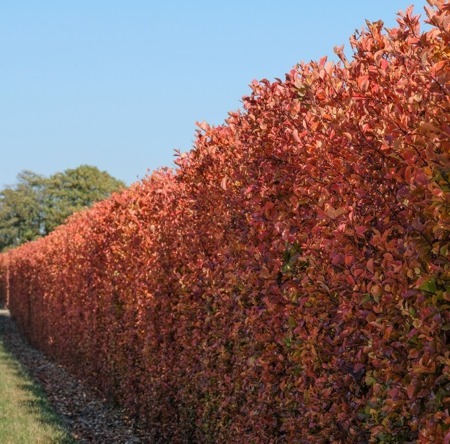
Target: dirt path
(88, 418)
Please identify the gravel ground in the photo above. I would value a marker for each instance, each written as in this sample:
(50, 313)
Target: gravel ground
(86, 416)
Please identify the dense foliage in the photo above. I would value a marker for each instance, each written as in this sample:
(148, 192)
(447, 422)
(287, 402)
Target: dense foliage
(289, 282)
(36, 205)
(20, 210)
(4, 280)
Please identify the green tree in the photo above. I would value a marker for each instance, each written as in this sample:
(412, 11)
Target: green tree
(73, 190)
(36, 205)
(21, 215)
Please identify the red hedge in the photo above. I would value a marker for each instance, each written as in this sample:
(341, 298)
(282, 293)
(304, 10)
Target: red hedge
(3, 280)
(289, 282)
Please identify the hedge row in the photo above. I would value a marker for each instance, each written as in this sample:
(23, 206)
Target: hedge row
(289, 281)
(3, 280)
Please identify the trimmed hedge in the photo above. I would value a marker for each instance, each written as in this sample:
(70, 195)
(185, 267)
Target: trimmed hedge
(289, 282)
(3, 280)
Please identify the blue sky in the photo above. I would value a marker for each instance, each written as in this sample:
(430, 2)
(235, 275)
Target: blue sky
(119, 85)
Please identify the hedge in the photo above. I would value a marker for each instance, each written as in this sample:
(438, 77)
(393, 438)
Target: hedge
(289, 280)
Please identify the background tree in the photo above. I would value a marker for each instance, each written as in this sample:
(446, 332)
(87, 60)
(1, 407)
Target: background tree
(21, 210)
(73, 190)
(36, 205)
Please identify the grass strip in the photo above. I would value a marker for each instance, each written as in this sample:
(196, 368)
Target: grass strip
(25, 415)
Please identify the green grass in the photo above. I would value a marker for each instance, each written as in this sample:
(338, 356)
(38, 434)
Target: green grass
(25, 415)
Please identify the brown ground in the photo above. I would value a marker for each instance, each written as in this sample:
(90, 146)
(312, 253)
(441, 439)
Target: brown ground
(86, 416)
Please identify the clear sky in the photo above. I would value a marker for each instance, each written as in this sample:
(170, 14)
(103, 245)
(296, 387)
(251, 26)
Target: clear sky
(120, 84)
